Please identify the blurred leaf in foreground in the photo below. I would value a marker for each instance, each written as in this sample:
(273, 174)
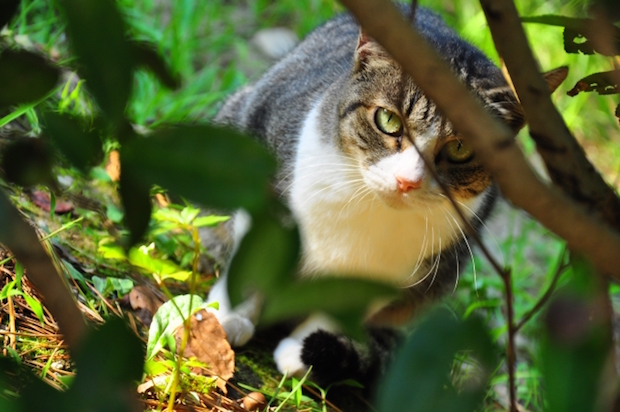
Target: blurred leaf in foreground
(28, 162)
(576, 344)
(97, 34)
(25, 77)
(80, 145)
(211, 165)
(419, 378)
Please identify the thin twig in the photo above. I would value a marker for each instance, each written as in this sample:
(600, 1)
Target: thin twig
(490, 139)
(511, 353)
(562, 265)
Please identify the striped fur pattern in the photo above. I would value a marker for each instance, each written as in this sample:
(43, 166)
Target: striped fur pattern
(355, 138)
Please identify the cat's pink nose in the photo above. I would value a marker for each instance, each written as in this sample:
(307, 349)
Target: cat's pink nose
(405, 185)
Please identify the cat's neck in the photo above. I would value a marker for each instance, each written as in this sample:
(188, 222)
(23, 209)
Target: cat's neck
(357, 232)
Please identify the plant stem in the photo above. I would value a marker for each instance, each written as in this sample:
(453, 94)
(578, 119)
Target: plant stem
(511, 353)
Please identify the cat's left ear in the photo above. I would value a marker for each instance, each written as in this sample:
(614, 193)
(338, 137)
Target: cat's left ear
(367, 49)
(555, 77)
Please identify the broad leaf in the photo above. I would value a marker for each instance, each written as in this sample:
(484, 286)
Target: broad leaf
(136, 200)
(576, 344)
(97, 34)
(210, 165)
(109, 363)
(80, 145)
(427, 358)
(345, 299)
(162, 268)
(25, 77)
(265, 261)
(147, 57)
(28, 162)
(168, 317)
(8, 9)
(602, 83)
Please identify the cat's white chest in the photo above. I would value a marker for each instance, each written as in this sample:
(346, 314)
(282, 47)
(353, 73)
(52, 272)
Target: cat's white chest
(346, 229)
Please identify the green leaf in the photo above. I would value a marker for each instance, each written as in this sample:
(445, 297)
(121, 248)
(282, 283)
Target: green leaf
(210, 165)
(344, 298)
(135, 195)
(8, 9)
(97, 34)
(25, 77)
(81, 146)
(576, 343)
(147, 56)
(105, 286)
(28, 162)
(602, 83)
(168, 318)
(265, 261)
(210, 220)
(163, 268)
(36, 307)
(427, 358)
(109, 363)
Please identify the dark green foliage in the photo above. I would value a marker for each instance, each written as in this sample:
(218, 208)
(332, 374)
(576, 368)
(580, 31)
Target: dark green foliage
(80, 144)
(97, 34)
(576, 344)
(146, 56)
(265, 260)
(345, 299)
(109, 362)
(419, 379)
(8, 8)
(28, 163)
(207, 164)
(135, 195)
(26, 76)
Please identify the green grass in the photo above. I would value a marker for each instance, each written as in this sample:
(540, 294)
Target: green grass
(207, 44)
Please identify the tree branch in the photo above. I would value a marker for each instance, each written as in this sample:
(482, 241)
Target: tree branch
(491, 140)
(565, 159)
(21, 239)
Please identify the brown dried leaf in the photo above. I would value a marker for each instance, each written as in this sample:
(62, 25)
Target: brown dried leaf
(207, 343)
(141, 297)
(145, 302)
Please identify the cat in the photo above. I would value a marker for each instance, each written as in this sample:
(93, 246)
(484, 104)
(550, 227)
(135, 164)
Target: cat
(342, 119)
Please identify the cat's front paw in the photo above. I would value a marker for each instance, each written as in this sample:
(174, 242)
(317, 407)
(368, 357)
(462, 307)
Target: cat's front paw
(288, 357)
(239, 330)
(333, 357)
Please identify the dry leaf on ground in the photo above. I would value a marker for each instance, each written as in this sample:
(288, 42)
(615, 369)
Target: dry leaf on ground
(207, 342)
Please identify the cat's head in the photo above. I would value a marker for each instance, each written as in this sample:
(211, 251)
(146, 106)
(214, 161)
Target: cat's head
(384, 116)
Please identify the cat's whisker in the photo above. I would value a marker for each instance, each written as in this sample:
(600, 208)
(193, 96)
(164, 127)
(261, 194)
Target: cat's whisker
(456, 251)
(486, 228)
(436, 264)
(471, 253)
(421, 253)
(430, 270)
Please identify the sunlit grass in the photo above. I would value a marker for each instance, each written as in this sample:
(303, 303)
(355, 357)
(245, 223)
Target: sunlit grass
(208, 44)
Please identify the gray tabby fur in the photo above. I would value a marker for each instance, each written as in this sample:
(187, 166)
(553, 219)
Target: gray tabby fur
(338, 75)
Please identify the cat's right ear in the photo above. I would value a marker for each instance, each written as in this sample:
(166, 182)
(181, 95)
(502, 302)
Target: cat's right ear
(366, 50)
(555, 77)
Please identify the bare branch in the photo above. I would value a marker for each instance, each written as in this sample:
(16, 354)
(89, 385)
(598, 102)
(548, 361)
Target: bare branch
(565, 159)
(493, 142)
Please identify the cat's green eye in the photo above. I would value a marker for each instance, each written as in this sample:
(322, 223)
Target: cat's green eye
(458, 151)
(388, 122)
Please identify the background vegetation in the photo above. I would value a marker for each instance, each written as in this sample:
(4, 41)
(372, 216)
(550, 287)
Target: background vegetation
(208, 45)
